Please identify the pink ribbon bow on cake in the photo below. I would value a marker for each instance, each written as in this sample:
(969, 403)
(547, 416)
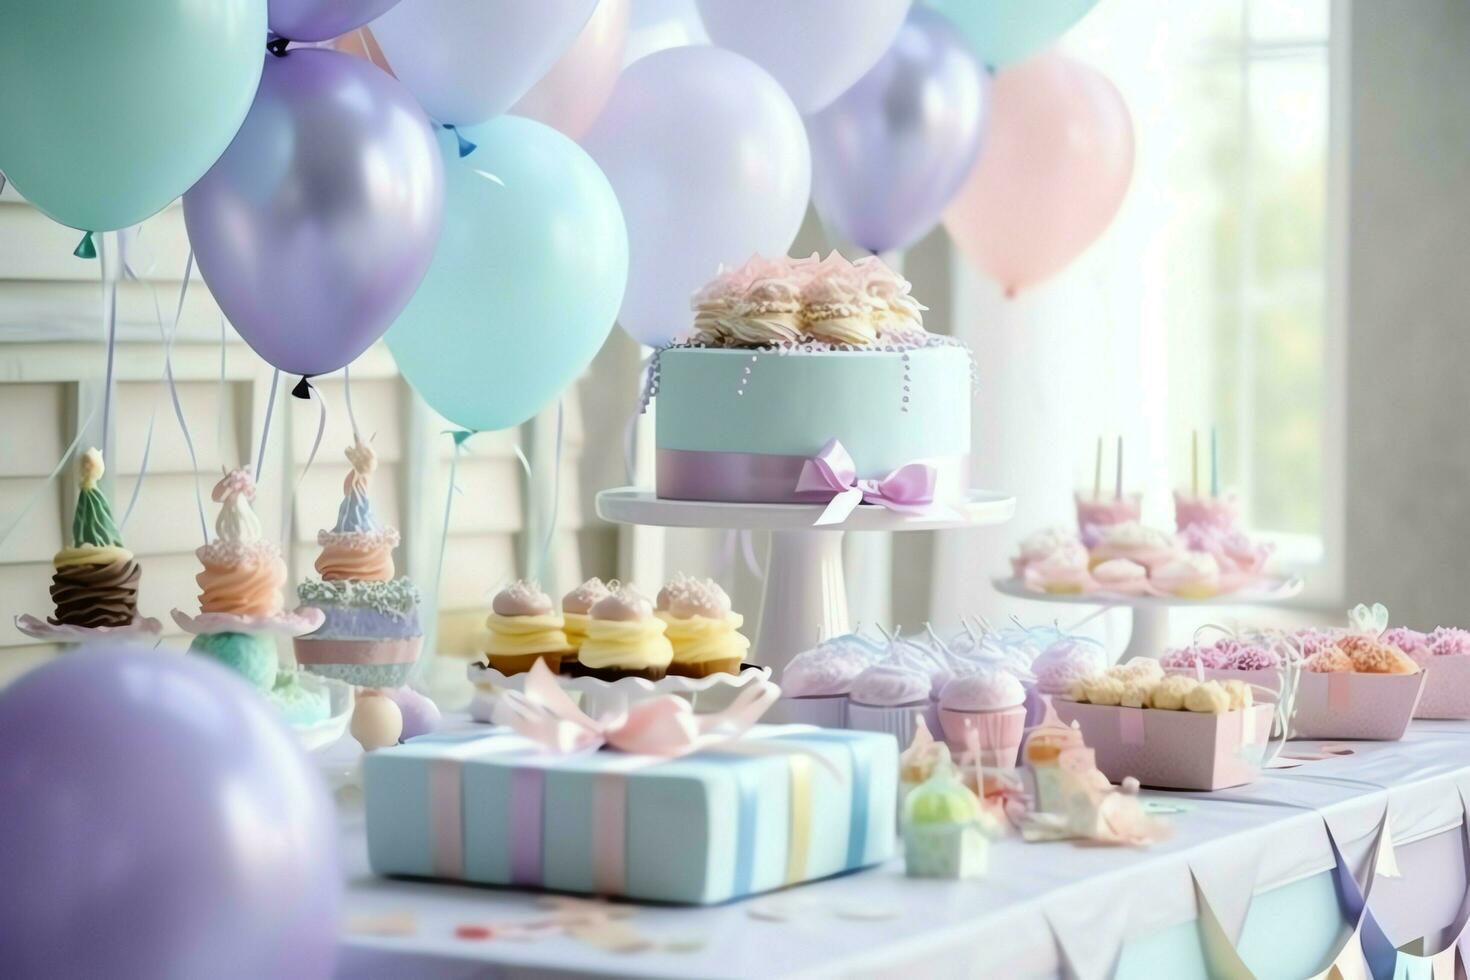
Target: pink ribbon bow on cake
(665, 725)
(907, 490)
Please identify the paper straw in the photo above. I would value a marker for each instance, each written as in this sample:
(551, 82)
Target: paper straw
(1097, 471)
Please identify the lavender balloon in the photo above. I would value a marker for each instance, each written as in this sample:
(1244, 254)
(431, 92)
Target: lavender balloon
(159, 821)
(892, 150)
(322, 20)
(319, 222)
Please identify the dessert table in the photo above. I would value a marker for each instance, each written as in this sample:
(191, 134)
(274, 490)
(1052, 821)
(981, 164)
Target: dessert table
(1269, 862)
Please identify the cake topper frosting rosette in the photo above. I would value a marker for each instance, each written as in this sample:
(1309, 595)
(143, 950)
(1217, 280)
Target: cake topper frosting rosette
(95, 584)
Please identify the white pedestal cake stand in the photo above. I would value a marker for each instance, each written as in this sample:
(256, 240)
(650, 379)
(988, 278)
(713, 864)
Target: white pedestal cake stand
(1150, 632)
(805, 592)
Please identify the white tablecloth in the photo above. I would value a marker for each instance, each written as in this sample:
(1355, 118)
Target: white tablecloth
(1044, 908)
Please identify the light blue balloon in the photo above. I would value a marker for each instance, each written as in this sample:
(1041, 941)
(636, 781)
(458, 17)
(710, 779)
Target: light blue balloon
(110, 109)
(1004, 32)
(527, 280)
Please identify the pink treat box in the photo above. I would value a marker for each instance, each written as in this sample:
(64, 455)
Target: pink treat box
(1351, 705)
(1446, 688)
(1172, 749)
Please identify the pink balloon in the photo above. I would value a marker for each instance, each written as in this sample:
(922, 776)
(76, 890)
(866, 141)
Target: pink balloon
(570, 96)
(1056, 163)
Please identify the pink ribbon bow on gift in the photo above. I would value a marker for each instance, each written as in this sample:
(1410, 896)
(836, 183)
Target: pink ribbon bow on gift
(665, 725)
(907, 490)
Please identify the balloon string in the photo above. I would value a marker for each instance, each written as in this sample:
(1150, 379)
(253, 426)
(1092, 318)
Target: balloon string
(265, 430)
(109, 306)
(168, 337)
(321, 429)
(347, 390)
(173, 392)
(459, 436)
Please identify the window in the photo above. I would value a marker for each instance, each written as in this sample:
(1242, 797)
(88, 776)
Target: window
(1232, 103)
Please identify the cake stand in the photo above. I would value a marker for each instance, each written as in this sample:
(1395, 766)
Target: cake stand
(1150, 631)
(805, 594)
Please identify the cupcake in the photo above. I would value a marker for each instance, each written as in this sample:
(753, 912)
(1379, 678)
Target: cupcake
(241, 605)
(1121, 576)
(888, 698)
(815, 684)
(1040, 545)
(1189, 575)
(624, 639)
(767, 312)
(576, 608)
(897, 316)
(371, 635)
(524, 629)
(990, 703)
(95, 583)
(703, 631)
(1057, 668)
(1063, 572)
(1134, 542)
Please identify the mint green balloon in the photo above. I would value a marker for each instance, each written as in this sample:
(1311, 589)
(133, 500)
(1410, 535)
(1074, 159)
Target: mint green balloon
(1003, 32)
(110, 109)
(526, 282)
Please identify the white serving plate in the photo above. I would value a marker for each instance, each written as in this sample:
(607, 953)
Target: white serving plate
(598, 696)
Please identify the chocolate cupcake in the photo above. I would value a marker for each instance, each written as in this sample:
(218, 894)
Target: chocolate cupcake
(96, 580)
(624, 639)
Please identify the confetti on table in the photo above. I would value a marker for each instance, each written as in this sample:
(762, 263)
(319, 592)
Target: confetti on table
(383, 924)
(611, 937)
(473, 932)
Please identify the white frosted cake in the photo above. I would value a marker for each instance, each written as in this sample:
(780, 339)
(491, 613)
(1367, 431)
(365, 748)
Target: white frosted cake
(784, 357)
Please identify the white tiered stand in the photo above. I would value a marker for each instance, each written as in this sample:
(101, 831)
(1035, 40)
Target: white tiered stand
(1150, 632)
(805, 592)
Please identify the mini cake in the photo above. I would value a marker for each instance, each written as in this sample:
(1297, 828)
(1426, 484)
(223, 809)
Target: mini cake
(371, 636)
(241, 605)
(524, 628)
(624, 639)
(991, 704)
(757, 388)
(1041, 545)
(702, 630)
(816, 682)
(576, 607)
(888, 698)
(95, 584)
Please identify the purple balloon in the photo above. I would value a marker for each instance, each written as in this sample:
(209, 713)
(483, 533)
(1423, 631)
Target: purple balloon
(322, 20)
(320, 220)
(159, 821)
(892, 150)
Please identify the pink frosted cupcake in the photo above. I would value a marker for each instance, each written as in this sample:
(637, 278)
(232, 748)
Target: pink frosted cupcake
(1134, 542)
(990, 703)
(1041, 545)
(816, 683)
(1060, 666)
(1063, 572)
(1121, 576)
(1191, 575)
(888, 698)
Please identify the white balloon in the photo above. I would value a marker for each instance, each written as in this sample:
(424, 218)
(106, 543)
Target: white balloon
(468, 60)
(816, 49)
(710, 163)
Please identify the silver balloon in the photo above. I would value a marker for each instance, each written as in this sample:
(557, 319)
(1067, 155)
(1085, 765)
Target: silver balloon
(320, 220)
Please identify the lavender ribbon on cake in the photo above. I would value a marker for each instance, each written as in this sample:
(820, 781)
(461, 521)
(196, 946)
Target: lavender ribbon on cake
(907, 490)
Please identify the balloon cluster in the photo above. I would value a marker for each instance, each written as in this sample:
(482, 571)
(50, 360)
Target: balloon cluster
(495, 184)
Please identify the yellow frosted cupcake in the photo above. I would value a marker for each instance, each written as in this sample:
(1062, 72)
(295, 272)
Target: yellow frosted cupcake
(524, 628)
(576, 608)
(702, 629)
(624, 639)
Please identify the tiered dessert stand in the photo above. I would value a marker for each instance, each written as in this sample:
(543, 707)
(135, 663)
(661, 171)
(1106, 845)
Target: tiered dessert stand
(805, 590)
(1150, 632)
